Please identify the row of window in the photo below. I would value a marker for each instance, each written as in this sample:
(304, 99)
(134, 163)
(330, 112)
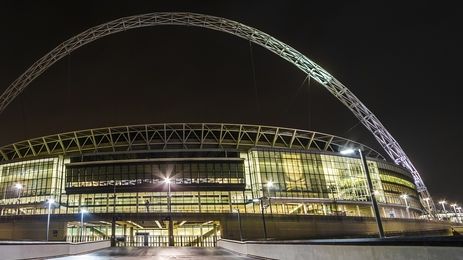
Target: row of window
(134, 174)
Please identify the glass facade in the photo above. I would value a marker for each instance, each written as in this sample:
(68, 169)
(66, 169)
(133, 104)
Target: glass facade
(304, 182)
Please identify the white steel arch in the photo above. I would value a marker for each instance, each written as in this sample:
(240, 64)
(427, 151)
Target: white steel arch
(342, 93)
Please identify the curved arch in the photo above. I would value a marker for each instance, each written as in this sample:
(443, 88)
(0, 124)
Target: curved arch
(342, 93)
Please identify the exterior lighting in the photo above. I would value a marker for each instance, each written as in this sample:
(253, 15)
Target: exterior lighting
(370, 187)
(454, 206)
(158, 224)
(269, 185)
(169, 209)
(261, 200)
(50, 201)
(135, 224)
(82, 212)
(443, 202)
(347, 151)
(19, 187)
(405, 197)
(459, 214)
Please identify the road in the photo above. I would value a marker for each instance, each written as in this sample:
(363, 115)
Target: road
(158, 253)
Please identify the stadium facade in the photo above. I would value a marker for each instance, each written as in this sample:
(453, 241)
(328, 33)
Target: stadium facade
(122, 176)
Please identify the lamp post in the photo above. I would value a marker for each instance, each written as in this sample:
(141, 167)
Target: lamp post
(454, 206)
(443, 202)
(370, 188)
(261, 200)
(239, 223)
(19, 187)
(82, 233)
(169, 209)
(405, 198)
(269, 186)
(49, 202)
(459, 214)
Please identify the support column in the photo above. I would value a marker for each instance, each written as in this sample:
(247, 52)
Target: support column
(171, 231)
(125, 234)
(113, 232)
(131, 236)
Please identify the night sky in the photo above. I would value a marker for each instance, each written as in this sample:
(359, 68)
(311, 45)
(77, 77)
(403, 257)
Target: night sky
(403, 60)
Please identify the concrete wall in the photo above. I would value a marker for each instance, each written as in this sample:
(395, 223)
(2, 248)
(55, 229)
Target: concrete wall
(32, 230)
(344, 252)
(304, 227)
(25, 250)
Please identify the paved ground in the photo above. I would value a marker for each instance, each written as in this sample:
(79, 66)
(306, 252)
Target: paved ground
(159, 253)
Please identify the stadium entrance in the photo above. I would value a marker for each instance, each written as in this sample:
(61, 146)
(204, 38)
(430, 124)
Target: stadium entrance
(148, 233)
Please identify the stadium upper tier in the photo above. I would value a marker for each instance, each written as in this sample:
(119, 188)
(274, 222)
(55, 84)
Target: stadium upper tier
(177, 136)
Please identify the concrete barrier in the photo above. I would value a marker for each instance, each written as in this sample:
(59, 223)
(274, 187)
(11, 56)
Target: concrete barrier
(292, 251)
(27, 250)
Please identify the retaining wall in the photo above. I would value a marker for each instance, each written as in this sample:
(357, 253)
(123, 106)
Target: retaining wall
(27, 250)
(345, 252)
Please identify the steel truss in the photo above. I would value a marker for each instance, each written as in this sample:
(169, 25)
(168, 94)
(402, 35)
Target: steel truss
(342, 93)
(179, 136)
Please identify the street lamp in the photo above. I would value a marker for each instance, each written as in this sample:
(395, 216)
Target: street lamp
(239, 223)
(19, 187)
(82, 212)
(405, 197)
(262, 208)
(50, 201)
(443, 202)
(169, 208)
(454, 206)
(459, 214)
(370, 188)
(269, 186)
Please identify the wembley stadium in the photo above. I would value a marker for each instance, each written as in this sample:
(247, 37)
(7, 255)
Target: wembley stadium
(140, 182)
(189, 184)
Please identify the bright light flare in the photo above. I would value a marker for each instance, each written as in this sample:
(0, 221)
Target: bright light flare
(347, 151)
(167, 180)
(18, 186)
(404, 196)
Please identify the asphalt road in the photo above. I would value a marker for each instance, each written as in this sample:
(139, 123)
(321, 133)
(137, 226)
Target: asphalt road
(159, 253)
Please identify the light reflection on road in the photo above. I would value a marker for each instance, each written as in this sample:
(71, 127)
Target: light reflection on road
(159, 253)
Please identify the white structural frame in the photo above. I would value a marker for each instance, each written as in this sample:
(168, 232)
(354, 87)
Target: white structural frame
(336, 88)
(172, 136)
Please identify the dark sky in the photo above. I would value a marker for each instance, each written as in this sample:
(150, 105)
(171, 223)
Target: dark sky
(403, 60)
